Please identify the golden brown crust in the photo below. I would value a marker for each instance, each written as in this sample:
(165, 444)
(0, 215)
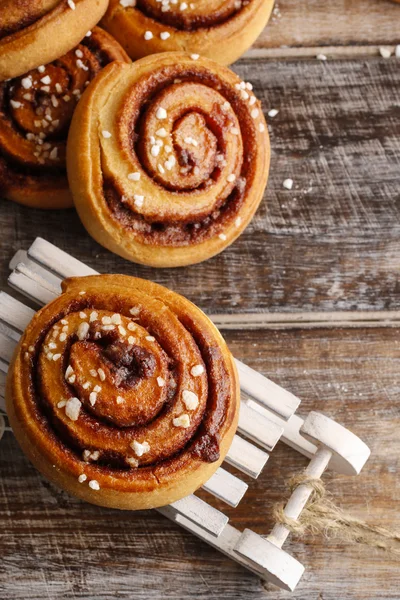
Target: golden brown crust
(218, 29)
(167, 159)
(138, 343)
(39, 31)
(35, 113)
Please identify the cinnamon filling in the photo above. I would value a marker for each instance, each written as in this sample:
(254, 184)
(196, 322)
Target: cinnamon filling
(108, 374)
(188, 153)
(170, 233)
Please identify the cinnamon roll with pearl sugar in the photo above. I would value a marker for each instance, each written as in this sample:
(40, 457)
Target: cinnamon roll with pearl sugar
(35, 112)
(219, 29)
(123, 393)
(36, 32)
(167, 159)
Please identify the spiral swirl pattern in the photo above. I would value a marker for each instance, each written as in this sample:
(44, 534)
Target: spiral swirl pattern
(218, 29)
(26, 26)
(36, 111)
(179, 157)
(125, 384)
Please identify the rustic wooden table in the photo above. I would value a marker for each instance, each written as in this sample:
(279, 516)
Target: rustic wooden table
(332, 243)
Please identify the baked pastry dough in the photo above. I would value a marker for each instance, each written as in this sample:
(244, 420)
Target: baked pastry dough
(123, 393)
(36, 110)
(167, 159)
(36, 32)
(219, 29)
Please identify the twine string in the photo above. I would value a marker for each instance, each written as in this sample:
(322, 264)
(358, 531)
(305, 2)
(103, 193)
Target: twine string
(322, 516)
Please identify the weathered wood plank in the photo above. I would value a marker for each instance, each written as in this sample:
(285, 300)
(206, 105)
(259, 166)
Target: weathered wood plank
(58, 547)
(330, 243)
(302, 23)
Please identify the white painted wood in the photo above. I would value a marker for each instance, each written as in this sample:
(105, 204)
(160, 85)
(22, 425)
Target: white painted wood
(291, 430)
(21, 257)
(226, 487)
(225, 542)
(40, 275)
(266, 392)
(280, 568)
(7, 347)
(23, 280)
(14, 312)
(335, 441)
(246, 457)
(201, 513)
(258, 427)
(40, 289)
(57, 260)
(300, 495)
(349, 452)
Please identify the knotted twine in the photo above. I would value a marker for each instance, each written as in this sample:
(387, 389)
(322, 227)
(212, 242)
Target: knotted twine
(322, 516)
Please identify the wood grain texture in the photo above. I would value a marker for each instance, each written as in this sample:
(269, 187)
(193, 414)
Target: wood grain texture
(57, 547)
(332, 242)
(302, 23)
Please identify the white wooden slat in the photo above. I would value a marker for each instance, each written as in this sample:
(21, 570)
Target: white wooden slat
(31, 286)
(266, 392)
(7, 347)
(14, 313)
(252, 383)
(35, 290)
(57, 260)
(201, 513)
(225, 543)
(41, 276)
(258, 427)
(281, 568)
(291, 430)
(21, 257)
(251, 427)
(226, 487)
(246, 457)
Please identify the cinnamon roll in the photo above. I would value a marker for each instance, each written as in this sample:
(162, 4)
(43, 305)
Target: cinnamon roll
(35, 114)
(167, 159)
(219, 29)
(36, 32)
(123, 393)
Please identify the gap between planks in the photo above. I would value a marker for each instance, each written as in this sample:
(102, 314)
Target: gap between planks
(331, 52)
(308, 320)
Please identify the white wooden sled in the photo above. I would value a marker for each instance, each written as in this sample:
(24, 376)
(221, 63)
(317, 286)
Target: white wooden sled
(266, 416)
